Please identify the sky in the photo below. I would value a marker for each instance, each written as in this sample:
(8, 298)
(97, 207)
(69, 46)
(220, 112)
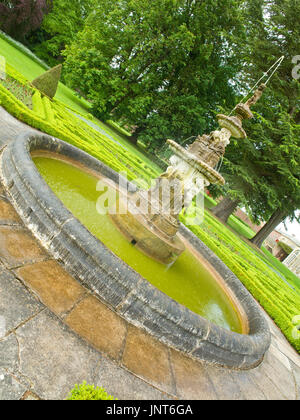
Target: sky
(293, 228)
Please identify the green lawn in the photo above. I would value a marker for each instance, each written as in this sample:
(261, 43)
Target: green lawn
(31, 69)
(259, 272)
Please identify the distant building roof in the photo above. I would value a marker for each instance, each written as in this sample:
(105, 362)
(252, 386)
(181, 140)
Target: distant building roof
(290, 237)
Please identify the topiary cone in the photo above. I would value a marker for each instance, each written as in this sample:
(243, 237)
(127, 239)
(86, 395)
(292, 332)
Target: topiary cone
(47, 83)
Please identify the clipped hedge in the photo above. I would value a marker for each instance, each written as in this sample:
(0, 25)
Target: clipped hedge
(279, 300)
(119, 129)
(47, 83)
(54, 119)
(38, 105)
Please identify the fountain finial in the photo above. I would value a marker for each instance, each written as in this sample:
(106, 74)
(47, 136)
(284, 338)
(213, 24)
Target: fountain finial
(243, 112)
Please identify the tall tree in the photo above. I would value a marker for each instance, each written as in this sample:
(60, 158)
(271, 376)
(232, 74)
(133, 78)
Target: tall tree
(263, 171)
(59, 28)
(282, 37)
(161, 66)
(226, 208)
(19, 18)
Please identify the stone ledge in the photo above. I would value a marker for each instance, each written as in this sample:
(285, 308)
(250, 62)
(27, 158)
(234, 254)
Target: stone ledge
(18, 248)
(100, 326)
(148, 359)
(53, 285)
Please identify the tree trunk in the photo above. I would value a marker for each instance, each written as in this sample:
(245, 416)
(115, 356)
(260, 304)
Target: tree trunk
(225, 208)
(134, 138)
(278, 217)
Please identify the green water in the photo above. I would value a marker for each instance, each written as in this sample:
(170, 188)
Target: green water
(187, 281)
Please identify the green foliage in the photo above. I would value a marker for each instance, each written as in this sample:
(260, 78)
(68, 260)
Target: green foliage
(24, 50)
(267, 160)
(263, 170)
(31, 68)
(47, 83)
(116, 127)
(280, 300)
(54, 119)
(160, 66)
(59, 28)
(86, 392)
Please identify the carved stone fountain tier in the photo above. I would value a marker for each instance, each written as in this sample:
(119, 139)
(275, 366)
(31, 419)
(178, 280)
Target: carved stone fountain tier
(150, 219)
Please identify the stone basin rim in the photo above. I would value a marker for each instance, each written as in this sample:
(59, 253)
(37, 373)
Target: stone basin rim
(113, 281)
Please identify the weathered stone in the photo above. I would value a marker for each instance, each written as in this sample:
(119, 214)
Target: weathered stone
(249, 388)
(225, 385)
(54, 286)
(10, 128)
(18, 247)
(9, 352)
(99, 325)
(265, 384)
(296, 373)
(16, 303)
(192, 381)
(148, 359)
(53, 357)
(29, 396)
(286, 349)
(275, 353)
(10, 389)
(8, 214)
(279, 374)
(125, 386)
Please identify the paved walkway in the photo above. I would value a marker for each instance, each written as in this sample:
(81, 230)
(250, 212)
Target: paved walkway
(42, 358)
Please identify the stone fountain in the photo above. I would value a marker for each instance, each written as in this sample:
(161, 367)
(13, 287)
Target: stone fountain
(150, 219)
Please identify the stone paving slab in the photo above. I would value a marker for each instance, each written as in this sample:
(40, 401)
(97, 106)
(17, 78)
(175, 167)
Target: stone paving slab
(14, 238)
(279, 375)
(8, 216)
(18, 247)
(54, 287)
(99, 325)
(43, 359)
(17, 305)
(10, 128)
(296, 373)
(113, 377)
(247, 384)
(225, 385)
(55, 359)
(192, 380)
(10, 388)
(9, 353)
(265, 384)
(149, 359)
(285, 349)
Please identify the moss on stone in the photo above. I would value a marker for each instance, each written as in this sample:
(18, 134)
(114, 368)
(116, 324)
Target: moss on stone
(47, 83)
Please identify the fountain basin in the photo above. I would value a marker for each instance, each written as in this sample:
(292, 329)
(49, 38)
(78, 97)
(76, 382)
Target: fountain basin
(115, 283)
